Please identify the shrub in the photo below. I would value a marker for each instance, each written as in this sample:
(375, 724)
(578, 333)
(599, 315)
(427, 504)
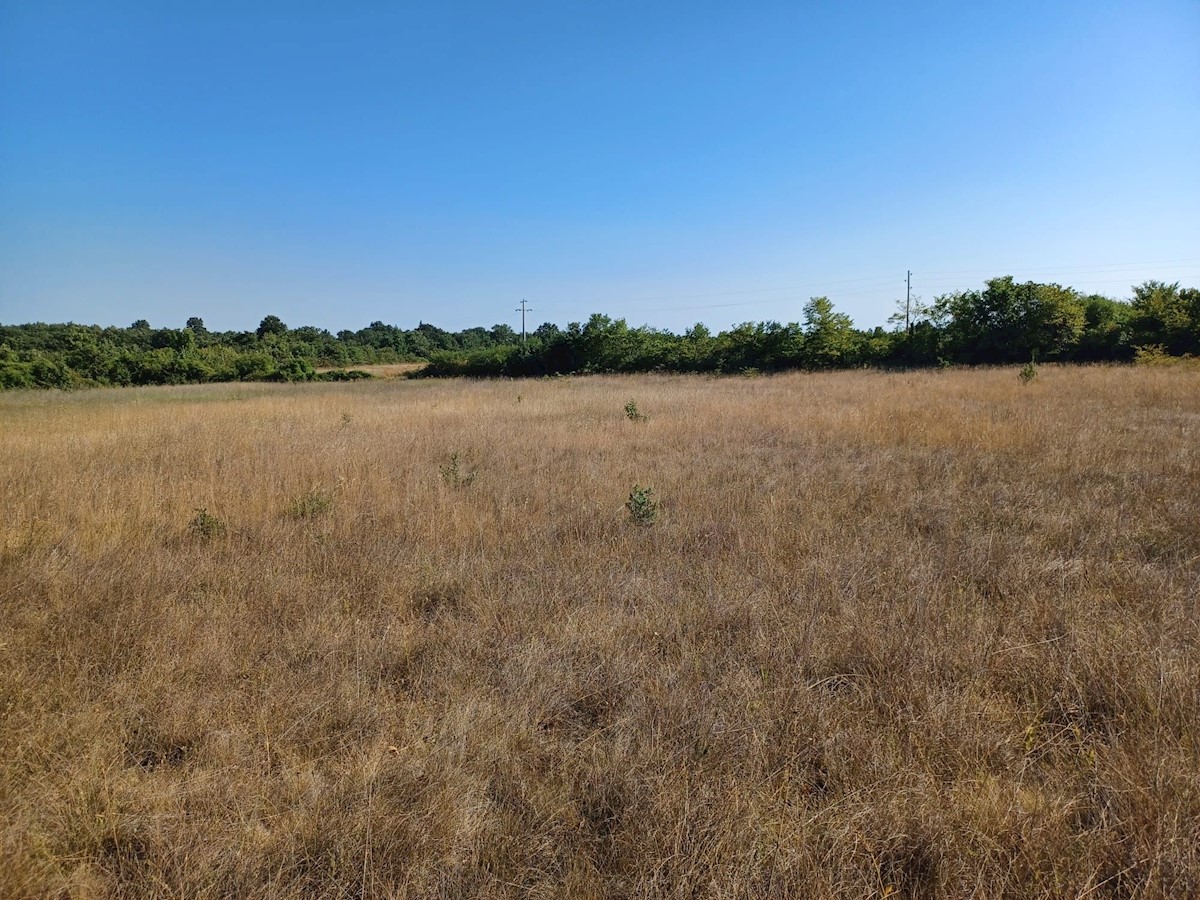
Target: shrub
(453, 473)
(633, 413)
(1157, 355)
(205, 525)
(294, 369)
(310, 505)
(342, 375)
(15, 375)
(643, 508)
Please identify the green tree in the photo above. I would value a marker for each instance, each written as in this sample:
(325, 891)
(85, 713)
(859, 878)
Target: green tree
(1106, 329)
(1052, 319)
(181, 340)
(88, 358)
(504, 334)
(695, 351)
(271, 325)
(47, 372)
(1168, 315)
(1009, 322)
(829, 336)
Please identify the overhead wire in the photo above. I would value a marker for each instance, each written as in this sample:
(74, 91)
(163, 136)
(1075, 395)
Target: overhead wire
(878, 284)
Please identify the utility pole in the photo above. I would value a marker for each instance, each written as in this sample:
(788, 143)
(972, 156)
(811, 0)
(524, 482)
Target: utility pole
(907, 301)
(524, 309)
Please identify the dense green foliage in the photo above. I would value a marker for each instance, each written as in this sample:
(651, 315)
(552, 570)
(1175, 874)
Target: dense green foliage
(66, 356)
(1004, 322)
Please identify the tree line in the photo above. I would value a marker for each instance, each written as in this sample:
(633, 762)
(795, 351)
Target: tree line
(70, 355)
(1003, 322)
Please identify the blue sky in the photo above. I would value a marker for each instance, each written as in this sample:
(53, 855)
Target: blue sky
(339, 163)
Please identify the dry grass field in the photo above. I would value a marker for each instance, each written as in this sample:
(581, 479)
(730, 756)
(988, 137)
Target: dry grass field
(927, 635)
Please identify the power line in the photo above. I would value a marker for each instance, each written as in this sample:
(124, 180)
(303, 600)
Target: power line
(875, 278)
(1069, 269)
(884, 280)
(934, 280)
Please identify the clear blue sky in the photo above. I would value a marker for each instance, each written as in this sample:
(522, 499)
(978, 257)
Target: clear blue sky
(337, 163)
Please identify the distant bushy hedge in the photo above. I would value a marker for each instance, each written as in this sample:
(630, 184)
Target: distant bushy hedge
(1004, 322)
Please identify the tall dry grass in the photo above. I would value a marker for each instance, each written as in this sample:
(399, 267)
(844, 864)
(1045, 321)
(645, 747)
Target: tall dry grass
(930, 635)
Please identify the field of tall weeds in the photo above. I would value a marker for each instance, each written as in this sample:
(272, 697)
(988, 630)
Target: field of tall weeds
(884, 635)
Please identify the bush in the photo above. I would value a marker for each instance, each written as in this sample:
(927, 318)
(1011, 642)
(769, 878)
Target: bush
(1157, 355)
(310, 505)
(454, 474)
(206, 526)
(643, 508)
(15, 375)
(50, 373)
(294, 369)
(342, 375)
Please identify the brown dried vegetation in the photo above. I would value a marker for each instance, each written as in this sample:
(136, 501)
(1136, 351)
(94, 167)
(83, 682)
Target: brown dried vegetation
(929, 635)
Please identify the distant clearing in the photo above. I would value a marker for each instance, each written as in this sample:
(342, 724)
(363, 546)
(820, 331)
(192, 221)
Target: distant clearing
(867, 635)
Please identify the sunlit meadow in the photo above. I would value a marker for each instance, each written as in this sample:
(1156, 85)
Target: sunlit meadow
(883, 635)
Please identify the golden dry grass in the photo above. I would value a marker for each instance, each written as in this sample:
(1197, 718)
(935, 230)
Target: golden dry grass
(929, 635)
